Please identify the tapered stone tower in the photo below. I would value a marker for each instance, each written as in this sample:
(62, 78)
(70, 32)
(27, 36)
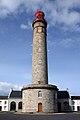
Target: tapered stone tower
(39, 96)
(39, 56)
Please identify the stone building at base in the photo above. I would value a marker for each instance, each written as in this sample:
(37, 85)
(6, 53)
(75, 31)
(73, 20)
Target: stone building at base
(40, 98)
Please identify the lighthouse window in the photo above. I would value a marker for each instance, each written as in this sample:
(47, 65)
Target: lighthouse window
(39, 94)
(36, 30)
(5, 102)
(40, 62)
(43, 30)
(39, 29)
(39, 49)
(40, 40)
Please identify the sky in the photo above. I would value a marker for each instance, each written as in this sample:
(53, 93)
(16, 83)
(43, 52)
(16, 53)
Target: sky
(63, 43)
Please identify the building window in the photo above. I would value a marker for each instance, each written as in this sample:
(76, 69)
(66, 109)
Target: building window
(40, 41)
(39, 50)
(5, 102)
(39, 29)
(55, 96)
(4, 107)
(73, 108)
(20, 105)
(0, 102)
(43, 30)
(73, 103)
(36, 30)
(39, 94)
(78, 108)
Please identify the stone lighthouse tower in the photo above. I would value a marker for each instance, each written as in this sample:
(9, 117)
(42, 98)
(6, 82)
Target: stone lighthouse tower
(39, 56)
(39, 96)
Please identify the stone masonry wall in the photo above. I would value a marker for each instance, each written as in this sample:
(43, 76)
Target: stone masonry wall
(39, 58)
(31, 100)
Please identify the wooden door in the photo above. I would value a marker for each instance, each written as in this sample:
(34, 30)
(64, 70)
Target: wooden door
(40, 107)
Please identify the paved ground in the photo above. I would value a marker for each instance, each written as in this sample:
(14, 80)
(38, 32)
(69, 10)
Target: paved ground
(17, 116)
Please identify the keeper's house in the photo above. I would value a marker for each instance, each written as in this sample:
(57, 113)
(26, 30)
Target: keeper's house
(75, 103)
(3, 103)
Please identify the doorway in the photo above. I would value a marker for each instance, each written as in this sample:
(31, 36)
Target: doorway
(78, 108)
(12, 106)
(40, 107)
(59, 107)
(66, 106)
(0, 108)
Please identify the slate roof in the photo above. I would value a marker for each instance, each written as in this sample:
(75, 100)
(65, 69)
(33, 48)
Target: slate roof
(15, 94)
(3, 97)
(75, 97)
(63, 95)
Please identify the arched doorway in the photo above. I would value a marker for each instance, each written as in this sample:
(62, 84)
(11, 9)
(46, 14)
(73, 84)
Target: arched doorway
(20, 105)
(78, 108)
(13, 106)
(59, 107)
(66, 106)
(40, 107)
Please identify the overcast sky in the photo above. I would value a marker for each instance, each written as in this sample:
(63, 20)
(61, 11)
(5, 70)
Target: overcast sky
(63, 41)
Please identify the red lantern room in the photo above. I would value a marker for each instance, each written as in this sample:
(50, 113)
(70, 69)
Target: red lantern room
(39, 18)
(39, 14)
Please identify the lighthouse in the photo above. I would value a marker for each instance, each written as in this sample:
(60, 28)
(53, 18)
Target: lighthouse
(39, 55)
(39, 96)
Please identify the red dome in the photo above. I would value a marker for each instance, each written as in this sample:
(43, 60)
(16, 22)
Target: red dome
(39, 14)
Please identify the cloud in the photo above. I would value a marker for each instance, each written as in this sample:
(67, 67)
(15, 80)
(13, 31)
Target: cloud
(8, 6)
(25, 26)
(11, 6)
(64, 12)
(65, 43)
(5, 88)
